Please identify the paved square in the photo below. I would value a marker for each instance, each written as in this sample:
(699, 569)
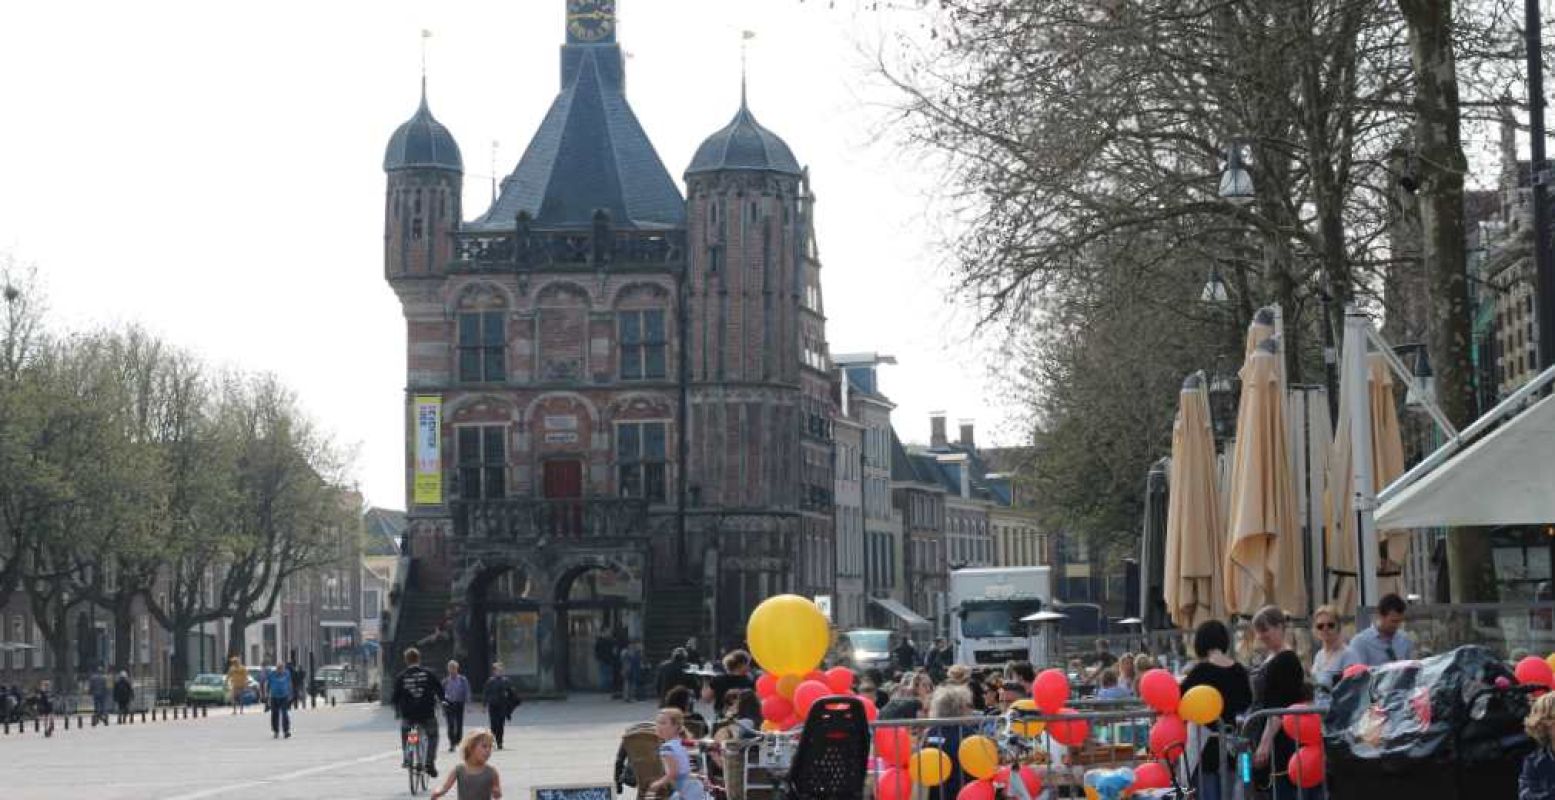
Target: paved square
(343, 752)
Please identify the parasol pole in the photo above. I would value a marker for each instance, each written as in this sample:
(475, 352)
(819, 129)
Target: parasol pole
(1363, 494)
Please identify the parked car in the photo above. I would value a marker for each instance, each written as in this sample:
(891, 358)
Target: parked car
(207, 688)
(864, 648)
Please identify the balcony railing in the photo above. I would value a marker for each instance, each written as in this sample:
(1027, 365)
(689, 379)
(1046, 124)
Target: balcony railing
(523, 249)
(522, 518)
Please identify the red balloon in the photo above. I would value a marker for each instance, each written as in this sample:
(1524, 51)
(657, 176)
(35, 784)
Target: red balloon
(1051, 690)
(1151, 775)
(1168, 737)
(790, 723)
(1305, 729)
(893, 784)
(1072, 732)
(869, 708)
(893, 745)
(1306, 766)
(976, 790)
(840, 679)
(1353, 670)
(806, 695)
(766, 685)
(1028, 776)
(776, 707)
(1159, 690)
(816, 675)
(1534, 671)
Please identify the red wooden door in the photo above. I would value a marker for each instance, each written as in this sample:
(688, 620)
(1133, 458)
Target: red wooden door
(564, 489)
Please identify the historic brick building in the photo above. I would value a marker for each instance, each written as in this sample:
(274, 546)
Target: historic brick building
(619, 406)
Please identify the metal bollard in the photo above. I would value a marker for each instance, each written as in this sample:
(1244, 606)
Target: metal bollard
(37, 725)
(142, 717)
(204, 712)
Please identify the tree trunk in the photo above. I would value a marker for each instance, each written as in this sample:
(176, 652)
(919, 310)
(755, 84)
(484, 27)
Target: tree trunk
(179, 669)
(237, 631)
(1442, 166)
(123, 631)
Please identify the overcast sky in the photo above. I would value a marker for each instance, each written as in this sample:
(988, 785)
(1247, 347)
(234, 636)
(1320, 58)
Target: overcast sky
(213, 171)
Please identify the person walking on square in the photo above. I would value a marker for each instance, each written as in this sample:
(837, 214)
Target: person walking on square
(237, 683)
(98, 686)
(475, 778)
(632, 671)
(123, 695)
(501, 700)
(456, 692)
(280, 702)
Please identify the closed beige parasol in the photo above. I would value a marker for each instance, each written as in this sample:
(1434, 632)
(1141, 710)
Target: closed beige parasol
(1265, 553)
(1387, 459)
(1193, 513)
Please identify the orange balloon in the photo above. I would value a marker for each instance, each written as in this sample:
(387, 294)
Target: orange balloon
(787, 684)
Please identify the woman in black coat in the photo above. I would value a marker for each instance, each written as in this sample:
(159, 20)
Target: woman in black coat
(123, 694)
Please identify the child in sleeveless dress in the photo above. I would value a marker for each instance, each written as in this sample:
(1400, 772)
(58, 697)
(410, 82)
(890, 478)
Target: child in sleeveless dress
(476, 779)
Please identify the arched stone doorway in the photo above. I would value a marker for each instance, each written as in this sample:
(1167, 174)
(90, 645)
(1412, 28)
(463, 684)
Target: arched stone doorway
(595, 599)
(506, 618)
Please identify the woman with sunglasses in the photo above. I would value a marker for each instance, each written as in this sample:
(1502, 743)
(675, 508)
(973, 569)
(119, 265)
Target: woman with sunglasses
(1332, 656)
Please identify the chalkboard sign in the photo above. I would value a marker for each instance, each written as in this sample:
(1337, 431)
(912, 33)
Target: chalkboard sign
(577, 792)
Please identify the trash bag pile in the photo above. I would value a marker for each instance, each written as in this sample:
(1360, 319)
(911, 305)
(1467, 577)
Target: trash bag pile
(1442, 727)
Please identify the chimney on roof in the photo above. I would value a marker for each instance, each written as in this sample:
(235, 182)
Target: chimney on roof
(937, 436)
(966, 435)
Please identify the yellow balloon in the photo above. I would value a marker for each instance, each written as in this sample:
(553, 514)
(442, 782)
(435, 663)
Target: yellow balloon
(1091, 793)
(787, 634)
(1550, 660)
(788, 683)
(1201, 704)
(770, 725)
(929, 767)
(1028, 728)
(979, 756)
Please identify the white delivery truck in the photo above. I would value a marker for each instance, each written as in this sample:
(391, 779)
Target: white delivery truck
(986, 607)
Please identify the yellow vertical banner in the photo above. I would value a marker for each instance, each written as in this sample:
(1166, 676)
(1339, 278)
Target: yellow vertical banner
(428, 484)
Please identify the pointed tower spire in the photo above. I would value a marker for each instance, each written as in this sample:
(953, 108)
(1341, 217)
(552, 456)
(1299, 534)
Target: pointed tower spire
(745, 36)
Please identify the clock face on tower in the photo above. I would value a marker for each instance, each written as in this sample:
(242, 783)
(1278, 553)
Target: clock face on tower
(590, 21)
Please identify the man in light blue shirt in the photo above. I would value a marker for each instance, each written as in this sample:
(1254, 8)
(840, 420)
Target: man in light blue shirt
(1383, 642)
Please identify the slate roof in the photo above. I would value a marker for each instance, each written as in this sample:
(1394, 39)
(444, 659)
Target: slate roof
(744, 144)
(382, 530)
(589, 153)
(422, 142)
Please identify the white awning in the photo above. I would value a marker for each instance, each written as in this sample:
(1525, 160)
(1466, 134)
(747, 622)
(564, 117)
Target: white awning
(901, 612)
(336, 623)
(1505, 478)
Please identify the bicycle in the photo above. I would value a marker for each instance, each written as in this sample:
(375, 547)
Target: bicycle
(416, 758)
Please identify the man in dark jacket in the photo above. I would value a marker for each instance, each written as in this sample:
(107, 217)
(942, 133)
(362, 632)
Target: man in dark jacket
(417, 693)
(905, 655)
(673, 673)
(941, 657)
(97, 685)
(500, 701)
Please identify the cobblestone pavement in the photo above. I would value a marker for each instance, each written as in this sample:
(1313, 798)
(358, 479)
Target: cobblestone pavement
(349, 751)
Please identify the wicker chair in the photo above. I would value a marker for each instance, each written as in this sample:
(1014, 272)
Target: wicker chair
(642, 752)
(833, 755)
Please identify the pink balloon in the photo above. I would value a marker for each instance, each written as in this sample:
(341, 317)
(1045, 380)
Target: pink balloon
(1159, 690)
(1305, 729)
(1028, 776)
(1168, 737)
(1069, 732)
(893, 745)
(893, 784)
(840, 680)
(1306, 766)
(1051, 690)
(1534, 671)
(776, 707)
(806, 695)
(1152, 775)
(766, 685)
(976, 790)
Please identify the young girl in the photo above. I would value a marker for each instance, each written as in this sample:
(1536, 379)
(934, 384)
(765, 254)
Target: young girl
(476, 779)
(1538, 778)
(670, 726)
